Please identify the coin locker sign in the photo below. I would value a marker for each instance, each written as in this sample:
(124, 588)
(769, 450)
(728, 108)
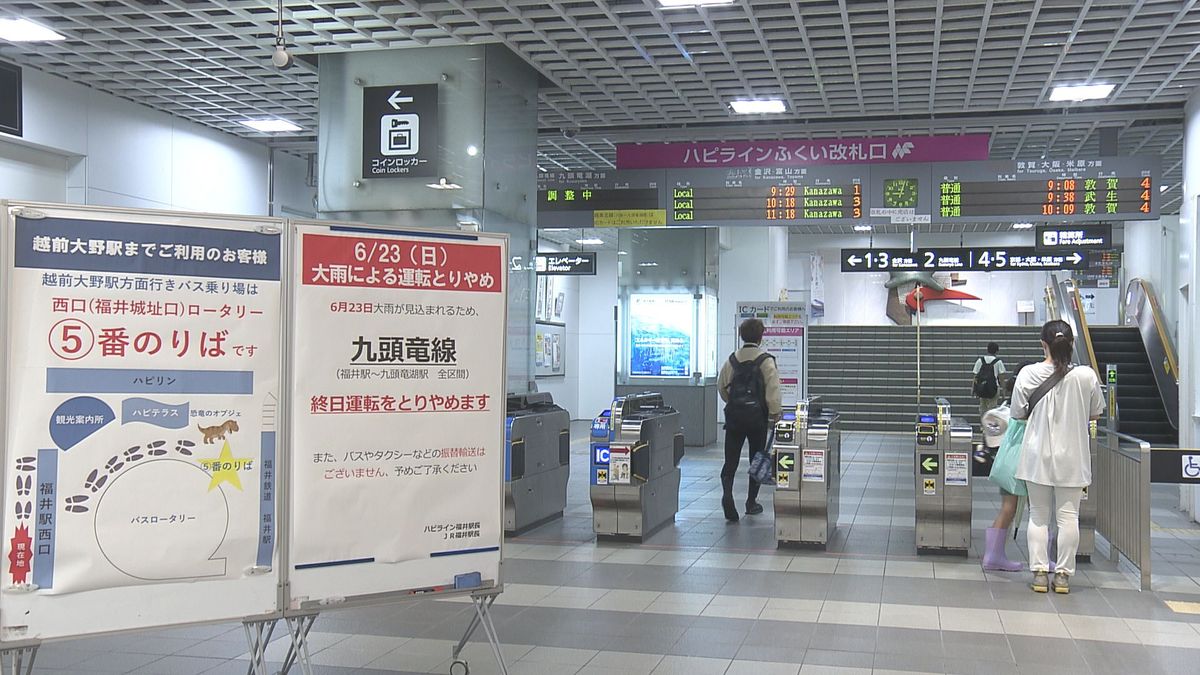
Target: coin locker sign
(398, 404)
(399, 127)
(142, 407)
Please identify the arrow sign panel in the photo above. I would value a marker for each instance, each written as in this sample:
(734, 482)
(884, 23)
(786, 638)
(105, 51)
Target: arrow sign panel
(982, 259)
(787, 460)
(929, 465)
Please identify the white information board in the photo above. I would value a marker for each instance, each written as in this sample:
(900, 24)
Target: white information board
(143, 357)
(785, 337)
(397, 460)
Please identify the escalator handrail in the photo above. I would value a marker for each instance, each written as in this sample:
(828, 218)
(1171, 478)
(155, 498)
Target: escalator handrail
(1159, 323)
(1156, 341)
(1084, 331)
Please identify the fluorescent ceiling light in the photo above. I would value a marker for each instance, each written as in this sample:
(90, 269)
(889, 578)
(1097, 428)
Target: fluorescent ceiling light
(1022, 226)
(472, 150)
(555, 229)
(24, 30)
(650, 263)
(591, 241)
(1081, 92)
(693, 3)
(443, 184)
(622, 252)
(1163, 188)
(862, 228)
(270, 126)
(758, 107)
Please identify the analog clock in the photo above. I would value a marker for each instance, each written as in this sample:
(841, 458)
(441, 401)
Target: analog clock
(900, 193)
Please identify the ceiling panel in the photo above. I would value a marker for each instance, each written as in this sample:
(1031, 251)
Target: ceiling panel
(631, 70)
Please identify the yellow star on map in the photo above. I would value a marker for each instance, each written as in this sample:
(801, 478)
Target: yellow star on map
(224, 469)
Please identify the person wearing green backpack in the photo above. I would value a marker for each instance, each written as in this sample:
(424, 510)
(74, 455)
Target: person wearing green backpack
(999, 422)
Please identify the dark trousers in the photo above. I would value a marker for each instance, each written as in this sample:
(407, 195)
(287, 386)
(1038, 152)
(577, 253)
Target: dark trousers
(736, 436)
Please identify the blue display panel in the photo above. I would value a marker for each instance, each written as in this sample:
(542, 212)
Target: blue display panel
(660, 334)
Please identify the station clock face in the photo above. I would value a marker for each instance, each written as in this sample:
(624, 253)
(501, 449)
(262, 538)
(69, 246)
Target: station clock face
(900, 193)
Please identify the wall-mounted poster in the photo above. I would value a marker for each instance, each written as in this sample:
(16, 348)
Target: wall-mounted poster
(549, 342)
(660, 334)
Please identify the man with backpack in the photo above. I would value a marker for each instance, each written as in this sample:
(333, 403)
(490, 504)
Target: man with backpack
(986, 384)
(749, 385)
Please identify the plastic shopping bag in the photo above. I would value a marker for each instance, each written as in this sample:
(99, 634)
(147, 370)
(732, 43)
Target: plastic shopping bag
(762, 466)
(1004, 468)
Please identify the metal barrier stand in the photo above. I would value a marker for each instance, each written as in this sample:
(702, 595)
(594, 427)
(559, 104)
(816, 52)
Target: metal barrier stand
(18, 660)
(1121, 487)
(808, 470)
(943, 482)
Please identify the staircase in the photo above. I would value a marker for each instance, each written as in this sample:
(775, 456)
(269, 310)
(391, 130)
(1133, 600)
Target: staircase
(1141, 412)
(869, 373)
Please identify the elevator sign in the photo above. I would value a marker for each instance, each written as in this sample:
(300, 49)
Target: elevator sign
(400, 131)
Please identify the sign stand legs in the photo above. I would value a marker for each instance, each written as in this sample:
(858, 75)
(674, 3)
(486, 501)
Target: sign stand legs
(18, 661)
(483, 618)
(298, 627)
(258, 636)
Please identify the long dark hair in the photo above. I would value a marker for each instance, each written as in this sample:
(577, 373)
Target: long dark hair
(1060, 339)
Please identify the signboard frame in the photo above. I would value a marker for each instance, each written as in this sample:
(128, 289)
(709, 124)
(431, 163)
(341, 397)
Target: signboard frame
(400, 131)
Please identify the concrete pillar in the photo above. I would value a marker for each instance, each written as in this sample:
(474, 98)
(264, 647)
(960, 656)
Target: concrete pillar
(484, 143)
(1189, 348)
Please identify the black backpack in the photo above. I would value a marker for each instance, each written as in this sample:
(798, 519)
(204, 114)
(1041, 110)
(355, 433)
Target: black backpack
(747, 403)
(986, 386)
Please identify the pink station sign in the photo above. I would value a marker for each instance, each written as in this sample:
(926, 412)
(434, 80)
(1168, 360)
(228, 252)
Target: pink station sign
(881, 150)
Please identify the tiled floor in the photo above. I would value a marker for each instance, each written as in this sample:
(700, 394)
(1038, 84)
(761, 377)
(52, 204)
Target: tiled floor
(705, 597)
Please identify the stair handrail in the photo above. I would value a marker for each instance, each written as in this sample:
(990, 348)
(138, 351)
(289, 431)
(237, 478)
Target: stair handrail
(1143, 312)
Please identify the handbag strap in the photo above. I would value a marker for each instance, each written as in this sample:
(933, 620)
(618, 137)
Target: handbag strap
(1041, 391)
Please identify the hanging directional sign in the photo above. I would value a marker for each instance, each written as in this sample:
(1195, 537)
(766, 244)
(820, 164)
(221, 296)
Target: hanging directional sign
(983, 259)
(1076, 237)
(400, 131)
(578, 263)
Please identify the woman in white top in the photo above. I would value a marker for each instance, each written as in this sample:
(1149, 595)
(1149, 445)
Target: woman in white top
(1056, 459)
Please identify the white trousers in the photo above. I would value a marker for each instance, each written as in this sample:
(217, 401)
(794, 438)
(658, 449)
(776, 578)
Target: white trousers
(1042, 498)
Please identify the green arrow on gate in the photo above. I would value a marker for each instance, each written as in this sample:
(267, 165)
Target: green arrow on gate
(930, 464)
(786, 462)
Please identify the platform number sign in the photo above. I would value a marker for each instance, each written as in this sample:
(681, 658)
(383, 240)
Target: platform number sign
(400, 137)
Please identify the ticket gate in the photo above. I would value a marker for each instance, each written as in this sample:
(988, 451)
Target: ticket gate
(537, 461)
(1087, 508)
(636, 447)
(943, 482)
(808, 474)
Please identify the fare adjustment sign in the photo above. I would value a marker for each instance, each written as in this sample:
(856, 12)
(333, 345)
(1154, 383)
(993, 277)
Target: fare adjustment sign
(400, 131)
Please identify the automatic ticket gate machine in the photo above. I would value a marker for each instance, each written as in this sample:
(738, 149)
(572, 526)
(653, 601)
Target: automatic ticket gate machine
(808, 474)
(943, 482)
(537, 463)
(636, 447)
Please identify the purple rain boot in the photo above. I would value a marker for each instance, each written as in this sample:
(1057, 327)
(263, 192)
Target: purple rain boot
(994, 557)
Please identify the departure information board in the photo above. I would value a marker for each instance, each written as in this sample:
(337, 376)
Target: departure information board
(754, 195)
(1107, 188)
(1045, 191)
(976, 259)
(601, 199)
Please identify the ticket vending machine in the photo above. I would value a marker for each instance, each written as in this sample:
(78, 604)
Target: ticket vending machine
(636, 447)
(943, 482)
(537, 462)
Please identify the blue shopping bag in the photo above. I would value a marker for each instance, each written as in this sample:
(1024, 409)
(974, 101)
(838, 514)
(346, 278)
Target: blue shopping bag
(762, 466)
(1004, 468)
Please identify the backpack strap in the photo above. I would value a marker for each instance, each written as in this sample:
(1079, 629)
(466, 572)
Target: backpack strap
(733, 360)
(762, 357)
(1042, 389)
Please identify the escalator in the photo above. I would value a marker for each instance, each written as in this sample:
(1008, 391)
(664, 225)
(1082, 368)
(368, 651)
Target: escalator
(1147, 386)
(1142, 413)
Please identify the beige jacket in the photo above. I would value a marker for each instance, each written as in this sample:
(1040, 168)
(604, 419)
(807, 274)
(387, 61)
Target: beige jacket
(770, 378)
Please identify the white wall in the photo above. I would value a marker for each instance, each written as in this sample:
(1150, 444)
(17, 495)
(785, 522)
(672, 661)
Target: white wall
(1189, 352)
(596, 356)
(118, 153)
(1151, 248)
(31, 174)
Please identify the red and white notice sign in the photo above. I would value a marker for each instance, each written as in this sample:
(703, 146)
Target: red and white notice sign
(397, 411)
